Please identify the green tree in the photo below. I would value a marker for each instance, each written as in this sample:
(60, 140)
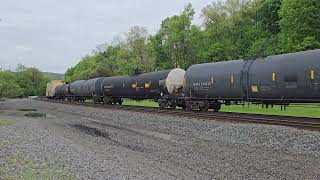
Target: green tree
(266, 28)
(172, 44)
(8, 85)
(240, 29)
(25, 82)
(31, 80)
(267, 13)
(300, 23)
(121, 57)
(137, 38)
(228, 29)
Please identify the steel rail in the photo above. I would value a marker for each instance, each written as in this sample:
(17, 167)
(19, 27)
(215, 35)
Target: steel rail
(297, 122)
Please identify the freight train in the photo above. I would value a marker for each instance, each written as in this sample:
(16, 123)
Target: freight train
(164, 85)
(280, 80)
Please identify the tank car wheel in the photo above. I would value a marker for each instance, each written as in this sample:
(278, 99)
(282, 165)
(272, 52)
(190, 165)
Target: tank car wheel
(216, 106)
(173, 105)
(205, 107)
(162, 105)
(188, 106)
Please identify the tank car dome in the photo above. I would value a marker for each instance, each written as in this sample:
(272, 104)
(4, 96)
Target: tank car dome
(175, 80)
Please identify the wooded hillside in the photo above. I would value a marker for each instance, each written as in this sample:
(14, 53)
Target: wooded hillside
(231, 29)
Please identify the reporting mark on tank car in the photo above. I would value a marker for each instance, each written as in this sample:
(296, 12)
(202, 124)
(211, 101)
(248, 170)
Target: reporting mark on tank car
(201, 85)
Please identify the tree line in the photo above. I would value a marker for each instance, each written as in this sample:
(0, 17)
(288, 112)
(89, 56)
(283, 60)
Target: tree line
(22, 83)
(231, 29)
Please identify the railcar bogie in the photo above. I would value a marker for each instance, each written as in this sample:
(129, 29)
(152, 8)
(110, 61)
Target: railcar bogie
(171, 103)
(112, 100)
(203, 105)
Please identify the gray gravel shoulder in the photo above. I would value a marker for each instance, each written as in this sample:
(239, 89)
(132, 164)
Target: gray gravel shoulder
(95, 143)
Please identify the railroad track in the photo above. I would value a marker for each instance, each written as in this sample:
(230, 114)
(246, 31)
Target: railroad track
(297, 122)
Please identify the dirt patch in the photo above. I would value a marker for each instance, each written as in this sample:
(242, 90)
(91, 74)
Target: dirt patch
(92, 131)
(27, 110)
(101, 133)
(35, 115)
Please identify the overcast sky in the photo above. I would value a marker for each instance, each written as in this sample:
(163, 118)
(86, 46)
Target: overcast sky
(53, 35)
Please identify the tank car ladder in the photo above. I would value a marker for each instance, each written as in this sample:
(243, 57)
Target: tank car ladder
(244, 80)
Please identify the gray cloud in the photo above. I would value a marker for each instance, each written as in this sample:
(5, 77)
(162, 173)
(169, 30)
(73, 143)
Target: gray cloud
(53, 35)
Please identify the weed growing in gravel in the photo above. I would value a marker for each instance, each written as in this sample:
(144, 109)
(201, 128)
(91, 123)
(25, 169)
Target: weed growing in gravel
(4, 143)
(35, 115)
(18, 167)
(7, 122)
(27, 109)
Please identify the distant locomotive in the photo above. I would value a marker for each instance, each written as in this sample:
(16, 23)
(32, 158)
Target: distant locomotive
(280, 79)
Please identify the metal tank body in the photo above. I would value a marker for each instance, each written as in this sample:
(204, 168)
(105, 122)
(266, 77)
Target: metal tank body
(98, 87)
(219, 80)
(148, 85)
(275, 79)
(144, 86)
(76, 88)
(62, 91)
(58, 90)
(88, 88)
(151, 85)
(290, 77)
(119, 86)
(156, 84)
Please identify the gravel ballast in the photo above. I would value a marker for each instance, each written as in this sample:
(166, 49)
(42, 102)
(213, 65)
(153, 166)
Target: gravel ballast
(78, 142)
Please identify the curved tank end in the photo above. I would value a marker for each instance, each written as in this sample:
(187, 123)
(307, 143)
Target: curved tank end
(174, 80)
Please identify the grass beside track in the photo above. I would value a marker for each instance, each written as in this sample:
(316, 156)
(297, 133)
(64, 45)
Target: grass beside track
(145, 103)
(297, 110)
(19, 167)
(7, 122)
(294, 110)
